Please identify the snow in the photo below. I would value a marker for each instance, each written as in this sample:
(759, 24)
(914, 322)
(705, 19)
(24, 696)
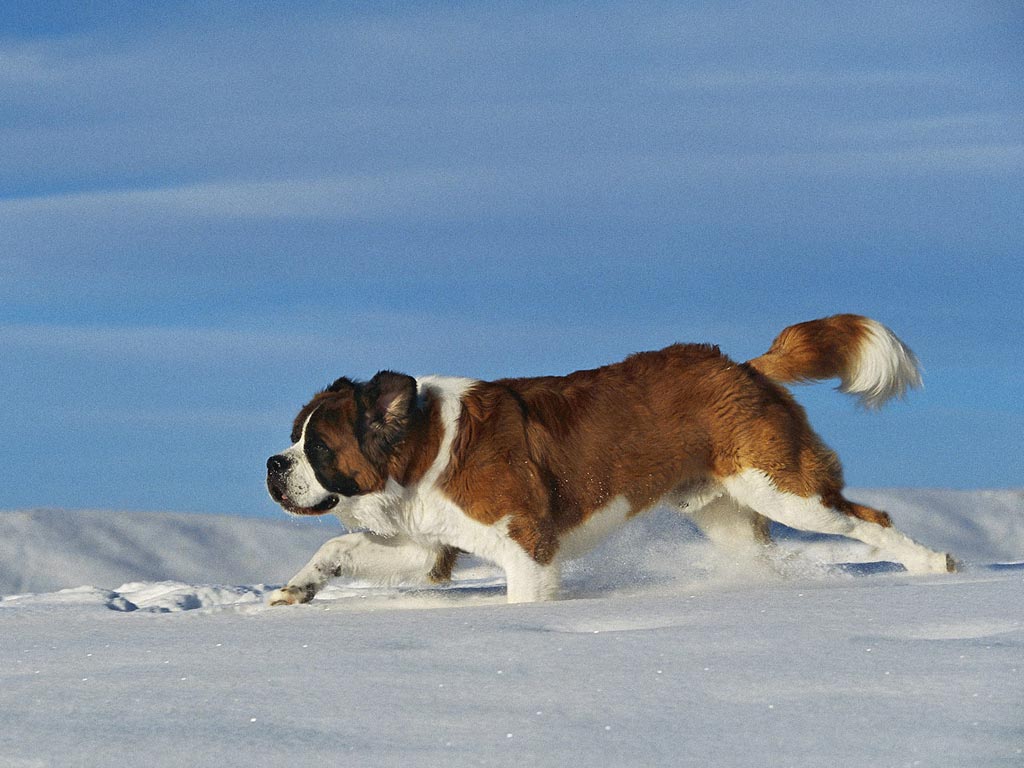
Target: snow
(143, 639)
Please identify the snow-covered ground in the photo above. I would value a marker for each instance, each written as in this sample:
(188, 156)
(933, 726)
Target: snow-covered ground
(143, 639)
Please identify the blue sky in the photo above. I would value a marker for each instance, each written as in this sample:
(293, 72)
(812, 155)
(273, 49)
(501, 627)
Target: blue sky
(209, 211)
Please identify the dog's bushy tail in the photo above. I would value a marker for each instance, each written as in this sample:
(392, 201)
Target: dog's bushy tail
(869, 360)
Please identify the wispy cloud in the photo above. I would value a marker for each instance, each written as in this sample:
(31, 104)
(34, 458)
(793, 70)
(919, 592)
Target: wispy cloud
(776, 79)
(469, 192)
(182, 417)
(24, 65)
(325, 110)
(944, 161)
(141, 342)
(365, 342)
(414, 193)
(966, 128)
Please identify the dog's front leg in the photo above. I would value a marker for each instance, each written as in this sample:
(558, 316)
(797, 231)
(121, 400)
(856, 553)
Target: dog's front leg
(529, 581)
(363, 556)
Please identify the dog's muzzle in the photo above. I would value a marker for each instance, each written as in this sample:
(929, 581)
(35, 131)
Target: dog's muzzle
(277, 476)
(279, 469)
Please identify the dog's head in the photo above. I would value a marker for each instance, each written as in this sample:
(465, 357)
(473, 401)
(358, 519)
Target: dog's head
(341, 443)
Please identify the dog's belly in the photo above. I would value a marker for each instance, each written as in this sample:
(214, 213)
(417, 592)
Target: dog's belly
(689, 498)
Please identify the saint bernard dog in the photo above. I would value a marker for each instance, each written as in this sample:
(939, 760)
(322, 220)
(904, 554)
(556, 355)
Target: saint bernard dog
(529, 472)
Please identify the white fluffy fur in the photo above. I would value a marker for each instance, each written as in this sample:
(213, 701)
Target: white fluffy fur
(885, 368)
(754, 489)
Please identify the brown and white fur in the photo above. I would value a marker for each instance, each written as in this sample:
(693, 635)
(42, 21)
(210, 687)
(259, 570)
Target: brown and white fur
(529, 472)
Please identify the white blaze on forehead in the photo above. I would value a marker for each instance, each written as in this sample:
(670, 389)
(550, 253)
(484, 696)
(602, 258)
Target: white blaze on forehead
(302, 435)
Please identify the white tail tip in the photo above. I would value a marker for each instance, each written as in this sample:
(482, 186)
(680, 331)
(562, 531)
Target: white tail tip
(884, 368)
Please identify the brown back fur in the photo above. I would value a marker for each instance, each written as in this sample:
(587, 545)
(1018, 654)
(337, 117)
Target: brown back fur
(548, 452)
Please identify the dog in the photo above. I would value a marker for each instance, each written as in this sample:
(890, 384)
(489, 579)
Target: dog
(529, 472)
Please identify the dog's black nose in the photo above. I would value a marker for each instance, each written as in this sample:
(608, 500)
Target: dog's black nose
(278, 465)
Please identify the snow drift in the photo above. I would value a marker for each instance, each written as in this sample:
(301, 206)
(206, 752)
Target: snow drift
(49, 549)
(46, 550)
(144, 640)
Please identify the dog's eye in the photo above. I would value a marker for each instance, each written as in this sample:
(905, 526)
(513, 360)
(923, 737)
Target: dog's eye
(318, 450)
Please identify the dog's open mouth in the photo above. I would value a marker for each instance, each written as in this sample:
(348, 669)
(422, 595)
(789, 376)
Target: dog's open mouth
(329, 503)
(324, 506)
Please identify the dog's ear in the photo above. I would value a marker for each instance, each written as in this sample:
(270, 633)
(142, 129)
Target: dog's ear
(341, 385)
(388, 401)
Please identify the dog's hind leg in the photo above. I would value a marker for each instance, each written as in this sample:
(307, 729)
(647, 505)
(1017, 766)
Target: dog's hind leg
(870, 514)
(363, 556)
(828, 512)
(728, 524)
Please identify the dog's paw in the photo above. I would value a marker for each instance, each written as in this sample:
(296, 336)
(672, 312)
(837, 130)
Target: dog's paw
(290, 595)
